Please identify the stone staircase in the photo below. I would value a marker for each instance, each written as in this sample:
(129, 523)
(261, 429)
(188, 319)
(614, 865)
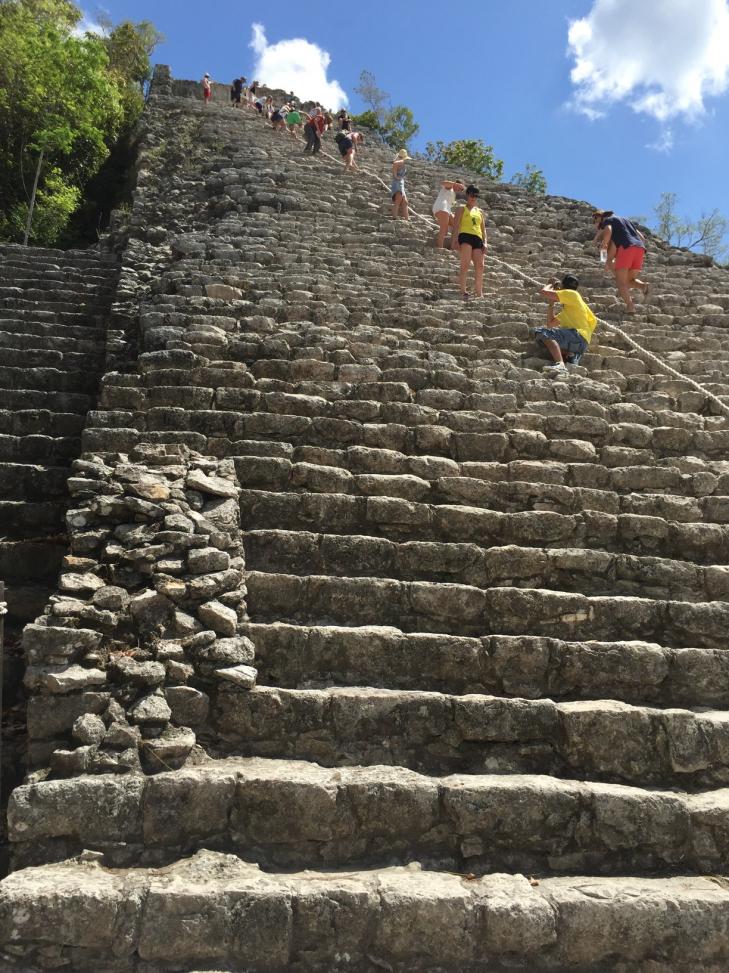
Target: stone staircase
(54, 307)
(489, 609)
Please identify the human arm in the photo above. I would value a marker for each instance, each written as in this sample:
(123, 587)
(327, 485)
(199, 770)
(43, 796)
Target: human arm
(483, 231)
(549, 291)
(456, 223)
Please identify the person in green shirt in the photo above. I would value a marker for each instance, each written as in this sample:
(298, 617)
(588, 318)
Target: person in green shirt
(567, 334)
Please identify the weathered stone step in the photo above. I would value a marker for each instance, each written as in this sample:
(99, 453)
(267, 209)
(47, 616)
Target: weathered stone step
(406, 920)
(48, 379)
(397, 518)
(21, 518)
(293, 814)
(47, 450)
(563, 568)
(76, 402)
(33, 422)
(520, 485)
(28, 301)
(439, 733)
(23, 317)
(25, 481)
(532, 666)
(460, 609)
(57, 343)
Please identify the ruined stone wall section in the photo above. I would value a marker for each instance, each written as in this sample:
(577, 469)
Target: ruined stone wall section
(147, 620)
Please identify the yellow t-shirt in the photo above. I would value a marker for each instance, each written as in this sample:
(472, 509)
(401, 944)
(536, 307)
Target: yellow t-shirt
(471, 222)
(576, 314)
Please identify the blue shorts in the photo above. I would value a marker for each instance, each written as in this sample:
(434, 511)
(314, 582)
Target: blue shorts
(568, 339)
(397, 186)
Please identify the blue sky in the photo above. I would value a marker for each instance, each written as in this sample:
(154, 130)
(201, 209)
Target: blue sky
(501, 71)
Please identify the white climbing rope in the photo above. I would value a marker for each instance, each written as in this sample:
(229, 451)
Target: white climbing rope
(722, 406)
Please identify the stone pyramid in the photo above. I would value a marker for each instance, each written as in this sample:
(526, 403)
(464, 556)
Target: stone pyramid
(374, 648)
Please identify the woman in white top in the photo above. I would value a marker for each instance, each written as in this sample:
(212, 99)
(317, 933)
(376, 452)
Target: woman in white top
(443, 208)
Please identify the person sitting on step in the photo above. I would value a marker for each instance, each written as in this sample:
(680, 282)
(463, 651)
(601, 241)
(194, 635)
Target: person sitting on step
(567, 334)
(471, 241)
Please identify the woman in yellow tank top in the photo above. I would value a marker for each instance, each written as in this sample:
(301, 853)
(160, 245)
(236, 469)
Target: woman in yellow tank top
(471, 241)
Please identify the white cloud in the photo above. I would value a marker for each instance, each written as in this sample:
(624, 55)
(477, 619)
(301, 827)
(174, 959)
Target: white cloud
(661, 57)
(296, 65)
(87, 25)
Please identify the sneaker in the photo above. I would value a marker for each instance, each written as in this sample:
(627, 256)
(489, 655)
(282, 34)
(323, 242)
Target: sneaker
(556, 368)
(466, 296)
(574, 360)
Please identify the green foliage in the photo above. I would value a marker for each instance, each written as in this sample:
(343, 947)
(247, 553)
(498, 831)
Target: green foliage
(59, 93)
(532, 179)
(396, 127)
(707, 233)
(472, 154)
(399, 127)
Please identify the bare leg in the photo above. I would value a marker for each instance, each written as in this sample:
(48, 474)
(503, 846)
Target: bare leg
(465, 251)
(478, 259)
(622, 278)
(554, 350)
(396, 205)
(634, 282)
(443, 220)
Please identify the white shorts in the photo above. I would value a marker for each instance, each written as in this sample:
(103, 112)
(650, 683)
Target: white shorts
(442, 209)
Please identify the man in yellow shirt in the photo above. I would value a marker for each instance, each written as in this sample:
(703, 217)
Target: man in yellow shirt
(567, 334)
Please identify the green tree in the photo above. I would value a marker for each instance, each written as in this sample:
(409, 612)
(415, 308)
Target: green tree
(706, 234)
(396, 128)
(373, 96)
(472, 154)
(62, 106)
(532, 179)
(399, 127)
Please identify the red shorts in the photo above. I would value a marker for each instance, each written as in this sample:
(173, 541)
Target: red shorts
(629, 258)
(207, 94)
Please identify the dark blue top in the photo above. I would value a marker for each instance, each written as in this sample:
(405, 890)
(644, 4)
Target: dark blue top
(624, 232)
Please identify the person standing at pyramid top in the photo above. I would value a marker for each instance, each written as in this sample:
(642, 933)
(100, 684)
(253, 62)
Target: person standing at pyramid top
(629, 254)
(469, 235)
(207, 87)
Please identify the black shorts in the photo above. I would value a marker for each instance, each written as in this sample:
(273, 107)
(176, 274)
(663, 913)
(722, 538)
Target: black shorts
(471, 239)
(345, 146)
(235, 97)
(277, 117)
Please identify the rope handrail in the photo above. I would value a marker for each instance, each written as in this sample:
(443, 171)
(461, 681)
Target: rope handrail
(668, 369)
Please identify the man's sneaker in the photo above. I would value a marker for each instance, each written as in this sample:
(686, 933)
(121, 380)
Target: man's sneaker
(575, 360)
(557, 368)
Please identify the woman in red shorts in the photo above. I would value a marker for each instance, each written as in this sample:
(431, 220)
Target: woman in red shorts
(630, 252)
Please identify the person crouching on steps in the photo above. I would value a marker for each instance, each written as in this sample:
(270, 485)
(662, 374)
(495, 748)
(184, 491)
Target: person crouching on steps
(567, 334)
(471, 241)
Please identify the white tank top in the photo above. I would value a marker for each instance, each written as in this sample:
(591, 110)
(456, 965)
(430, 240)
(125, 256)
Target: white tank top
(445, 200)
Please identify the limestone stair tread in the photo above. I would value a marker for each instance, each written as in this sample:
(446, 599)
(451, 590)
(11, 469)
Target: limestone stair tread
(285, 813)
(213, 909)
(532, 666)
